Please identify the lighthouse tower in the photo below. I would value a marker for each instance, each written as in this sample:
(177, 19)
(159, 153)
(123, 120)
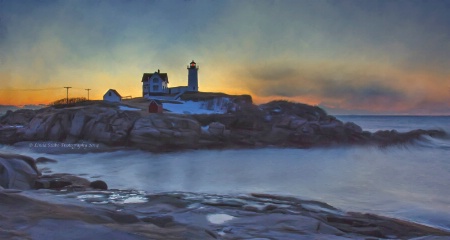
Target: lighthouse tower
(192, 77)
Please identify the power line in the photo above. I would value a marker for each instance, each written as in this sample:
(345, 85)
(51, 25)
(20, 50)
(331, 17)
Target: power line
(67, 98)
(29, 89)
(36, 89)
(88, 89)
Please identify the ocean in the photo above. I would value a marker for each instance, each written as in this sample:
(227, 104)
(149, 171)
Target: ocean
(408, 182)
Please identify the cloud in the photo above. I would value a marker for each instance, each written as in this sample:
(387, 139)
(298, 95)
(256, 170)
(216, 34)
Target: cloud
(357, 87)
(344, 53)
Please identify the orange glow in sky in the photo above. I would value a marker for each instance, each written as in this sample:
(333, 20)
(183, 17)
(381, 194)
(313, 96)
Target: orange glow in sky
(336, 55)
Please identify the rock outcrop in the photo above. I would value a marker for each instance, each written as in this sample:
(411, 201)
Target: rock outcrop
(277, 123)
(20, 172)
(192, 216)
(165, 132)
(91, 123)
(18, 117)
(17, 171)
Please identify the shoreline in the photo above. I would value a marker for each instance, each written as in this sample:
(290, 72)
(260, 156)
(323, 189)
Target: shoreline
(135, 214)
(177, 213)
(202, 215)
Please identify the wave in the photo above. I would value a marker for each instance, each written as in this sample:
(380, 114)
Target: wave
(431, 142)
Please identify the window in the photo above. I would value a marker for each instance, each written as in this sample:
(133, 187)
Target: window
(155, 80)
(109, 94)
(155, 88)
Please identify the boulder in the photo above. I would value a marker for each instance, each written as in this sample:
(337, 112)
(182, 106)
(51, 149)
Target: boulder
(78, 123)
(333, 132)
(216, 129)
(56, 132)
(297, 122)
(284, 122)
(30, 131)
(160, 221)
(276, 135)
(353, 127)
(99, 184)
(17, 171)
(9, 135)
(61, 180)
(160, 131)
(45, 160)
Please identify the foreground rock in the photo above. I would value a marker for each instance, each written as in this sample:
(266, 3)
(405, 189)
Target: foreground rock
(75, 208)
(20, 172)
(278, 123)
(110, 215)
(17, 171)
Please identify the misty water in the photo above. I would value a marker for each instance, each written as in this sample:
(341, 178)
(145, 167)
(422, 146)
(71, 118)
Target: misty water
(408, 182)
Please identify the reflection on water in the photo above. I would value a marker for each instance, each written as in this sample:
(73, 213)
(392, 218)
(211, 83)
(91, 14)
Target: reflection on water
(115, 196)
(406, 182)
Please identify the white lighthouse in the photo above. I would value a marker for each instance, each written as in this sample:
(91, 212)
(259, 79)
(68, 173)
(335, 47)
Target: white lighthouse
(192, 77)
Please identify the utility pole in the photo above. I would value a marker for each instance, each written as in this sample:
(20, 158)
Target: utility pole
(88, 92)
(67, 96)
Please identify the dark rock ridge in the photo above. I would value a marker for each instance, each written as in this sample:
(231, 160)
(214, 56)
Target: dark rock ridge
(278, 123)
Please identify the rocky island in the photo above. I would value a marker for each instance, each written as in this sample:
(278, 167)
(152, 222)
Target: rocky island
(243, 125)
(34, 201)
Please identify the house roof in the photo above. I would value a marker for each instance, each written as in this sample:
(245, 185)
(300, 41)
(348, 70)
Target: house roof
(163, 76)
(156, 101)
(114, 91)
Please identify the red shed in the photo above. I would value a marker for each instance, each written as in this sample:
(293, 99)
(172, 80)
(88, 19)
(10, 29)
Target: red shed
(155, 106)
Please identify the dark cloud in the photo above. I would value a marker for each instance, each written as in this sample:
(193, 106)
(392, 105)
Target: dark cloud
(273, 74)
(344, 87)
(352, 90)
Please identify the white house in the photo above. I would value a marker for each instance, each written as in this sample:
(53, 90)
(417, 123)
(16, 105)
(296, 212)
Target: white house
(112, 96)
(157, 83)
(154, 83)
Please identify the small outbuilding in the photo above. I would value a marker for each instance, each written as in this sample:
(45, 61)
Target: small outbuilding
(155, 106)
(112, 96)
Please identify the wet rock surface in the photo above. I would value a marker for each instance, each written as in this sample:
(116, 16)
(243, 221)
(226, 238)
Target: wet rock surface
(92, 211)
(128, 214)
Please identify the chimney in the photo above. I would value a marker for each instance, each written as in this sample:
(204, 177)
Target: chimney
(158, 70)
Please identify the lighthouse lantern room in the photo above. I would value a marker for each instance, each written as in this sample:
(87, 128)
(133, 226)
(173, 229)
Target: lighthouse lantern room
(192, 77)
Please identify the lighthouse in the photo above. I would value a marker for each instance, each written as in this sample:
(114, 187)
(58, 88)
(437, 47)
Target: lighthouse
(192, 77)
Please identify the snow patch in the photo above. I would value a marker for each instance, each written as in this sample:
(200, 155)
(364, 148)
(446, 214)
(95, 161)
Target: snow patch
(219, 218)
(215, 106)
(126, 108)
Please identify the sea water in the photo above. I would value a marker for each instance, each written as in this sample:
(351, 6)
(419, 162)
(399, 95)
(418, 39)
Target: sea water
(410, 181)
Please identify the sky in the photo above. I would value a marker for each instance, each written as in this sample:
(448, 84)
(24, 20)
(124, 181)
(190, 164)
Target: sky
(372, 57)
